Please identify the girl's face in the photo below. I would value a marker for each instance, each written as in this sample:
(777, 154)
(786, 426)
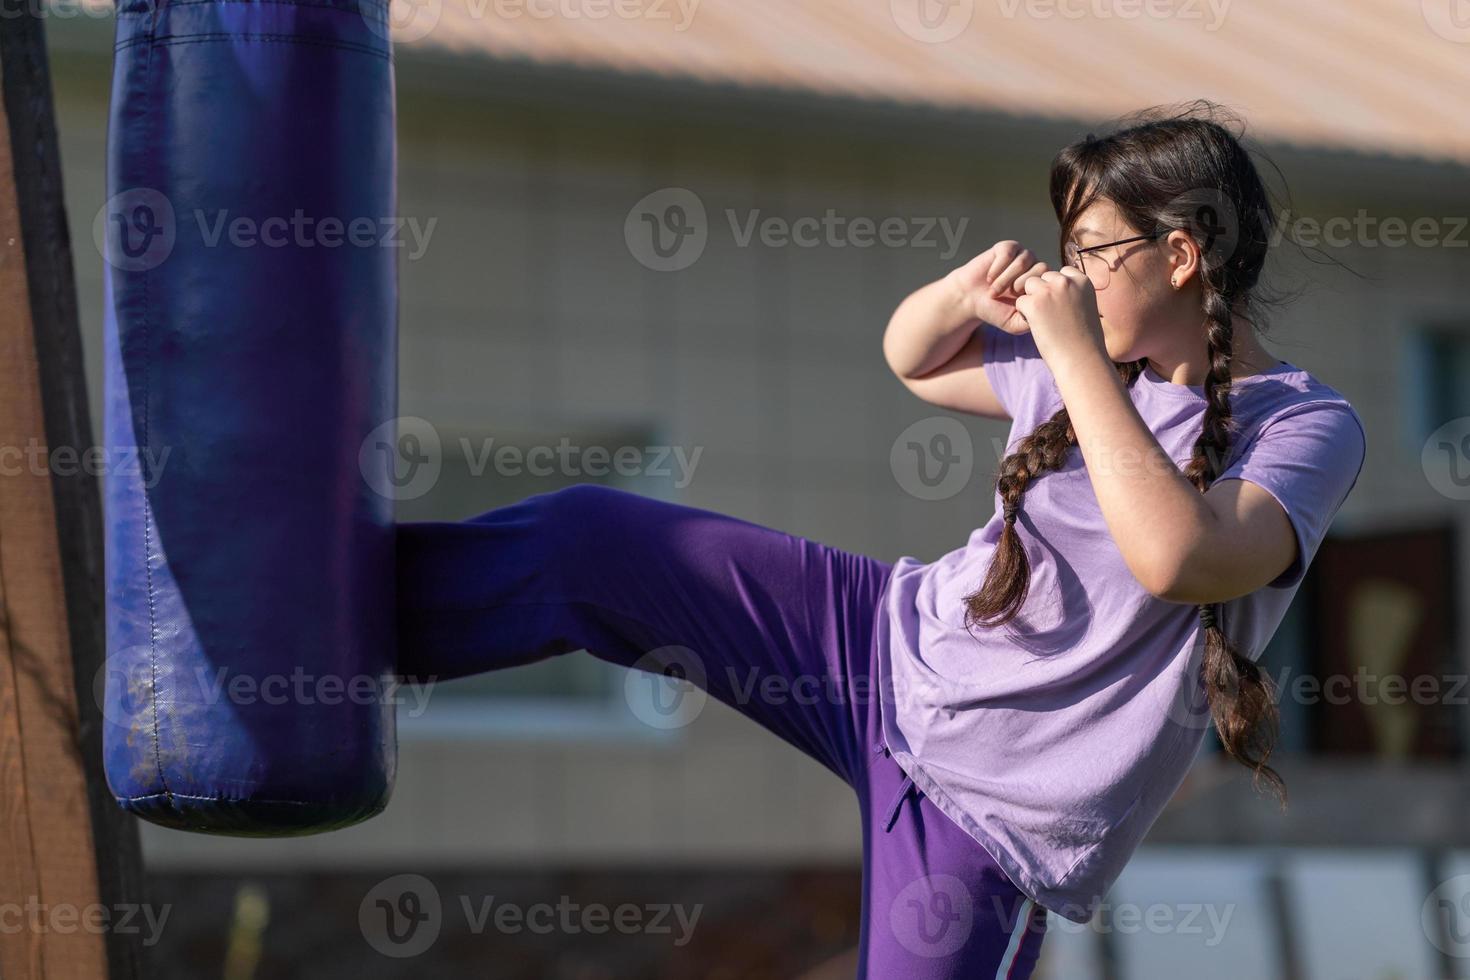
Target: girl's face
(1134, 295)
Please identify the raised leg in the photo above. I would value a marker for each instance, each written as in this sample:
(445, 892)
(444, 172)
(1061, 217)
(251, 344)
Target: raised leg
(777, 626)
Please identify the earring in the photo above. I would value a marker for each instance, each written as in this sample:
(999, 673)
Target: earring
(1174, 283)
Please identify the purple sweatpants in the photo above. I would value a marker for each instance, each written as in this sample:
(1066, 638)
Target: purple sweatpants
(741, 611)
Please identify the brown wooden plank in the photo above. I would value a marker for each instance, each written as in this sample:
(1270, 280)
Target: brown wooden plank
(46, 784)
(58, 825)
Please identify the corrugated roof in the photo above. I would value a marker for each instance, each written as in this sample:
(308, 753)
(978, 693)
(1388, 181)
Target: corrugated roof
(1375, 75)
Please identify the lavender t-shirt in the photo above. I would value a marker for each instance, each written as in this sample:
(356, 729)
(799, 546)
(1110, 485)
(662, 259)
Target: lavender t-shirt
(1057, 739)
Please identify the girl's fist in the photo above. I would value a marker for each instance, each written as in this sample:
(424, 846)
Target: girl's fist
(991, 282)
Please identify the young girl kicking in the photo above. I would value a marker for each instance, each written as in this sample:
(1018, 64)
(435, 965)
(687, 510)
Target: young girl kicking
(1015, 715)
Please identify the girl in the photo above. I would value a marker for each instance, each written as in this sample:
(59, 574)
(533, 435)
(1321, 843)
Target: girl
(1013, 716)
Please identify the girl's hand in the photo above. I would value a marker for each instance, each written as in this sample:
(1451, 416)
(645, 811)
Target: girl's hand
(992, 281)
(1061, 310)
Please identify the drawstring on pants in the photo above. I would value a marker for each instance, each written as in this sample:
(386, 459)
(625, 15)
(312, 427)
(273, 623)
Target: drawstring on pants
(905, 789)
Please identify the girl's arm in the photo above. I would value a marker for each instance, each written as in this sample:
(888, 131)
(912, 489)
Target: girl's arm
(1180, 544)
(932, 343)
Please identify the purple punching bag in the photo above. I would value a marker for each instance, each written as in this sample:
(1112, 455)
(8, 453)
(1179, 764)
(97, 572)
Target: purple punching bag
(251, 317)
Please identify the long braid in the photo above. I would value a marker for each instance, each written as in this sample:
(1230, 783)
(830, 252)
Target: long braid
(1008, 580)
(1169, 170)
(1235, 685)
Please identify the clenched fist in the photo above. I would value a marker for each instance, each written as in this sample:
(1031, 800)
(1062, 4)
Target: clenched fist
(992, 281)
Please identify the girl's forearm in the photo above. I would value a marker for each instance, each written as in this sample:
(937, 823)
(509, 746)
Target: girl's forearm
(928, 328)
(1158, 519)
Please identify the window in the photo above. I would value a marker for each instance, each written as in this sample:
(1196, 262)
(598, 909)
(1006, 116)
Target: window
(1438, 362)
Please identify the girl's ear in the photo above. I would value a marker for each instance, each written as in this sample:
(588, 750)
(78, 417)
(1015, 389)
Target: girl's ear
(1183, 258)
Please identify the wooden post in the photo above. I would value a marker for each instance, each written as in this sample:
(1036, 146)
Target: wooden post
(69, 857)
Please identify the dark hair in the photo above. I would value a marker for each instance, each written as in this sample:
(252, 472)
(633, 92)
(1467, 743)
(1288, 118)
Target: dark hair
(1166, 169)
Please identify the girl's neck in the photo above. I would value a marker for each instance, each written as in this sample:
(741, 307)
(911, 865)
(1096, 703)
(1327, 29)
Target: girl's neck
(1247, 358)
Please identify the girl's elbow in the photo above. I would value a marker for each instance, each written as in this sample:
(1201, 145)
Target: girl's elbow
(1170, 578)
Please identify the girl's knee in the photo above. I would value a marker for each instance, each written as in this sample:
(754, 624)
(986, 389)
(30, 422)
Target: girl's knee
(588, 514)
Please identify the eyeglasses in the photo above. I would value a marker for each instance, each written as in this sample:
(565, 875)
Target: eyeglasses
(1099, 271)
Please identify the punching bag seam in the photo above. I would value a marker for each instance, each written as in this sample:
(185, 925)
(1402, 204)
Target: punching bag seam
(171, 796)
(350, 7)
(177, 39)
(147, 504)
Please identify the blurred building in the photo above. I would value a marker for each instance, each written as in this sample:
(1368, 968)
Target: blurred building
(683, 229)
